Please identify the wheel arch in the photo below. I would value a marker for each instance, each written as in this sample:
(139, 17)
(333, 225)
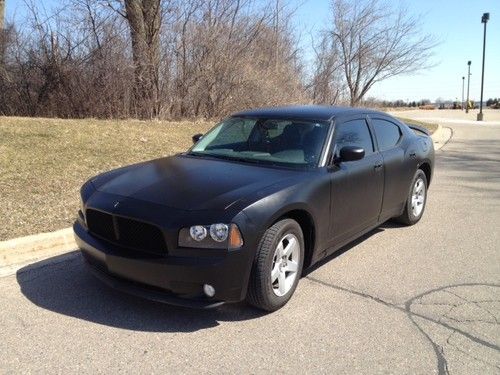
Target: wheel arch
(426, 168)
(307, 224)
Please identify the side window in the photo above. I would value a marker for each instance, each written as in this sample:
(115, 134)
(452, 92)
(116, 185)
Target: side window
(353, 133)
(387, 134)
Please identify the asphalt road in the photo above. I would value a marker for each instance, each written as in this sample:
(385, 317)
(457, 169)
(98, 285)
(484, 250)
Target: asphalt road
(417, 300)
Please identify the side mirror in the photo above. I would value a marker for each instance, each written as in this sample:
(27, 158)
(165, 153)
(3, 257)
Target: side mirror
(351, 153)
(197, 137)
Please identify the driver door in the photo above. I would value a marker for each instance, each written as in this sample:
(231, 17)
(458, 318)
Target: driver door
(357, 186)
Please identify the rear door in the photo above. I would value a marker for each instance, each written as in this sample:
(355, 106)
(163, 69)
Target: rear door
(397, 176)
(357, 186)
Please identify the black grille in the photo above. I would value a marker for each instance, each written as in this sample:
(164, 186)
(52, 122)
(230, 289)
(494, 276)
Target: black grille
(101, 224)
(125, 232)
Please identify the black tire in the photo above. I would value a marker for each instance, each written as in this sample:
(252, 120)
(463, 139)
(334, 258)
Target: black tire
(260, 290)
(408, 217)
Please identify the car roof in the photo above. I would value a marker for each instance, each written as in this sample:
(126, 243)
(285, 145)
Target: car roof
(305, 112)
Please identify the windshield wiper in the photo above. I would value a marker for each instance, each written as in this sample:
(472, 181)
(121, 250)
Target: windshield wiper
(194, 153)
(233, 158)
(251, 160)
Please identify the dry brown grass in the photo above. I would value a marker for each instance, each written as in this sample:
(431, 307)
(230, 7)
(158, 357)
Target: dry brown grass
(427, 107)
(43, 163)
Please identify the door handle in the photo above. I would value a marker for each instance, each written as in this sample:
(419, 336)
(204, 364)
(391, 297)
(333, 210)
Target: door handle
(377, 166)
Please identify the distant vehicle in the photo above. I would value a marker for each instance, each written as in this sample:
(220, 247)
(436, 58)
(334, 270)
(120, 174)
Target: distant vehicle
(259, 198)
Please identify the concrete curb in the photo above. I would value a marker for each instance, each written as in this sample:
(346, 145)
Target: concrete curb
(441, 136)
(18, 252)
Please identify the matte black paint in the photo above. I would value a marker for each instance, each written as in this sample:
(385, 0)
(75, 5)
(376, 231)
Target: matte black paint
(342, 199)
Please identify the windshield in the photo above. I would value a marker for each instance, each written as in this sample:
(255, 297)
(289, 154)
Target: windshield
(271, 141)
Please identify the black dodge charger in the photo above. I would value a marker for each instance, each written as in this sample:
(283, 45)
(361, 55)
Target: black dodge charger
(259, 198)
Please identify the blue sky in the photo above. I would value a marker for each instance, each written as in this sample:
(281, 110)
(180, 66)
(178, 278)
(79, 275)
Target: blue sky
(456, 24)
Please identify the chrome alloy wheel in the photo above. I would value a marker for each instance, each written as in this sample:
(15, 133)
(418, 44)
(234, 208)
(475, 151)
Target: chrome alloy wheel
(418, 197)
(285, 264)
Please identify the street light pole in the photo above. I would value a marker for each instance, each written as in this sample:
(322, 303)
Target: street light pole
(468, 86)
(463, 86)
(484, 19)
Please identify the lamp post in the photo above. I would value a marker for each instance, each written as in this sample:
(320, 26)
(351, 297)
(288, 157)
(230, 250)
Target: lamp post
(463, 86)
(468, 85)
(484, 19)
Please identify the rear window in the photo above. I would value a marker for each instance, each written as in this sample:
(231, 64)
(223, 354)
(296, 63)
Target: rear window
(387, 133)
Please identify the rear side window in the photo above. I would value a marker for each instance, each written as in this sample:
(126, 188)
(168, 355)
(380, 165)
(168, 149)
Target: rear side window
(353, 133)
(387, 133)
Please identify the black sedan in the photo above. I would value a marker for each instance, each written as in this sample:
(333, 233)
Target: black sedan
(259, 198)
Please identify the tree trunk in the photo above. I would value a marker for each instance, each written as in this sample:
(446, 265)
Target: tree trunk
(144, 19)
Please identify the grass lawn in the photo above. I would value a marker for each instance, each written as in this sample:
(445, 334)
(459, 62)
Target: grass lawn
(43, 163)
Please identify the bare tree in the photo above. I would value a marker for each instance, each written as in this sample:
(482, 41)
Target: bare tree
(224, 58)
(3, 33)
(107, 59)
(374, 43)
(326, 86)
(4, 41)
(144, 20)
(2, 14)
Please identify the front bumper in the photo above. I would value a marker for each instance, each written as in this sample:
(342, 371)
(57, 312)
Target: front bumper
(172, 279)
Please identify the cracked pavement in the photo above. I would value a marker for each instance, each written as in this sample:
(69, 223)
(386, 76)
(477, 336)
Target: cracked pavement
(421, 299)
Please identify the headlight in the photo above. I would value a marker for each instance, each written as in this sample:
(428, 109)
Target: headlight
(198, 233)
(219, 232)
(222, 236)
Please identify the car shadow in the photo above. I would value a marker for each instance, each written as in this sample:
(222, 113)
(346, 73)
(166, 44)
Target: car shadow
(64, 285)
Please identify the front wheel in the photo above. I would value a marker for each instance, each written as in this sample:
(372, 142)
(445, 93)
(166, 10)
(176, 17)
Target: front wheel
(277, 266)
(417, 198)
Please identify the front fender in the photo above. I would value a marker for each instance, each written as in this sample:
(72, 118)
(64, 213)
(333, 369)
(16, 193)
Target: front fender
(311, 196)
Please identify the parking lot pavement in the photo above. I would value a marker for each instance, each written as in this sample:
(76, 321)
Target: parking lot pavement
(453, 116)
(419, 299)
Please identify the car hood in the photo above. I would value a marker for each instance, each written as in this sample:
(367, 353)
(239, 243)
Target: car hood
(191, 183)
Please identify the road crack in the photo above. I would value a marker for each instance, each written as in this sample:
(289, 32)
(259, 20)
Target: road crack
(406, 308)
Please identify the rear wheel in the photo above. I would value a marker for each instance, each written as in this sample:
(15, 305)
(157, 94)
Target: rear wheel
(277, 266)
(417, 198)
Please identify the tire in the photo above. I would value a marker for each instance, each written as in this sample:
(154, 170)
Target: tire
(272, 281)
(414, 208)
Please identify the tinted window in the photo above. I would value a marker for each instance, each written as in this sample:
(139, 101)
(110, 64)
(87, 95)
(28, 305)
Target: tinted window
(265, 141)
(387, 133)
(353, 133)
